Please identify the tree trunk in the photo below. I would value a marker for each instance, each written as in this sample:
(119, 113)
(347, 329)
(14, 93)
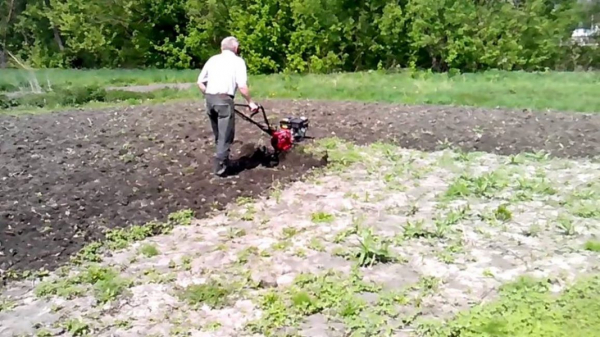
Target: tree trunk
(11, 8)
(2, 59)
(57, 36)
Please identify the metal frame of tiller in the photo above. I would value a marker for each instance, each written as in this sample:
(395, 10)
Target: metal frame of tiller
(265, 128)
(282, 139)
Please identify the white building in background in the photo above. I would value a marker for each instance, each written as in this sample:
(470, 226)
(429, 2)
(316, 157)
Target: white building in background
(585, 36)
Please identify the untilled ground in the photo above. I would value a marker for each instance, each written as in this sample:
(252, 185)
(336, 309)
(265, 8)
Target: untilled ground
(386, 240)
(68, 176)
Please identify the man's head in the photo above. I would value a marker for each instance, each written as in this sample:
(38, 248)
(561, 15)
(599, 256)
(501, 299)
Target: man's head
(230, 43)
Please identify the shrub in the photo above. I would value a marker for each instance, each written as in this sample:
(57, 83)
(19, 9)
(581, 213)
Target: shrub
(121, 95)
(8, 87)
(7, 103)
(37, 100)
(74, 96)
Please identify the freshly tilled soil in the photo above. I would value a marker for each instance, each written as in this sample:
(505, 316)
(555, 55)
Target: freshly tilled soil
(67, 176)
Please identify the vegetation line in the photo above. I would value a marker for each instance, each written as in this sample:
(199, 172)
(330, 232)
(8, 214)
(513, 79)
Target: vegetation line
(560, 91)
(303, 36)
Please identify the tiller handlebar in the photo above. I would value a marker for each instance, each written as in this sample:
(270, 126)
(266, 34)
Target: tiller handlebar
(292, 129)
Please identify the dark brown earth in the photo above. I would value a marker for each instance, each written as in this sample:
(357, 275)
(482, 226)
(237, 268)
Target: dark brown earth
(68, 176)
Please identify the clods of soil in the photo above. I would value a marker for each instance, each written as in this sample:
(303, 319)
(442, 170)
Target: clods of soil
(65, 177)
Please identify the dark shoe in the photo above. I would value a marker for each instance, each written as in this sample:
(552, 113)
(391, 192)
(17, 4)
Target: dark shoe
(220, 168)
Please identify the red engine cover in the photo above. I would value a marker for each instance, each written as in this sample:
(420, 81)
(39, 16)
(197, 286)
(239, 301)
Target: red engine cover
(282, 140)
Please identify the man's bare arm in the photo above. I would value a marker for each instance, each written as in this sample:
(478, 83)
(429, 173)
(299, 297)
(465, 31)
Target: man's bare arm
(242, 82)
(202, 87)
(203, 79)
(245, 91)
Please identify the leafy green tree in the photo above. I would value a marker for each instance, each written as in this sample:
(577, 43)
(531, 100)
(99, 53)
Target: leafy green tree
(317, 36)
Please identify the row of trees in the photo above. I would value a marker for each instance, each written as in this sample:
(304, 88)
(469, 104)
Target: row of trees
(299, 35)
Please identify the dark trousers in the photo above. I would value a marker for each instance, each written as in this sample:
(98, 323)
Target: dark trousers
(222, 119)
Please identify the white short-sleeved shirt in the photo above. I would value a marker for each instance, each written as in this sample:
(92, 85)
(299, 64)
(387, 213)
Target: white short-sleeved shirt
(224, 73)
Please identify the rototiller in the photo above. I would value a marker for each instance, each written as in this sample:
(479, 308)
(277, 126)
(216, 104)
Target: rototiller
(291, 129)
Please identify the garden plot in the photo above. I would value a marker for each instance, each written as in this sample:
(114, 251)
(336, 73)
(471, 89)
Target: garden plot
(386, 242)
(69, 177)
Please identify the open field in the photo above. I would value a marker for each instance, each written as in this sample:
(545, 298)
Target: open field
(538, 91)
(121, 166)
(387, 242)
(423, 212)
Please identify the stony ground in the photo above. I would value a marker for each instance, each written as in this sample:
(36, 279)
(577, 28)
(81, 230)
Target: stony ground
(382, 243)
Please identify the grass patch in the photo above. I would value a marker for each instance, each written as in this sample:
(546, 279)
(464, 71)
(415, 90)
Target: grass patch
(486, 185)
(373, 250)
(322, 217)
(551, 90)
(6, 305)
(566, 91)
(589, 209)
(527, 308)
(212, 293)
(330, 293)
(16, 79)
(183, 217)
(122, 237)
(592, 246)
(84, 96)
(149, 250)
(77, 327)
(106, 284)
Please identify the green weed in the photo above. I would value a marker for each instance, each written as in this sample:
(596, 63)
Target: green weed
(289, 232)
(527, 188)
(316, 244)
(331, 293)
(154, 276)
(373, 250)
(106, 284)
(77, 327)
(245, 254)
(6, 305)
(183, 217)
(502, 213)
(120, 238)
(486, 185)
(592, 245)
(526, 307)
(322, 217)
(233, 233)
(566, 225)
(149, 250)
(213, 293)
(589, 209)
(534, 230)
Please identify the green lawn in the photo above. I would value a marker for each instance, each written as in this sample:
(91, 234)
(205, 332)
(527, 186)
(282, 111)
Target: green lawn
(13, 79)
(540, 91)
(576, 92)
(526, 308)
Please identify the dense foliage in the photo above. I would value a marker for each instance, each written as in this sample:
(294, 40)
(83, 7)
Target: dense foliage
(78, 96)
(298, 35)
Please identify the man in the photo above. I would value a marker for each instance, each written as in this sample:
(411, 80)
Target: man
(220, 78)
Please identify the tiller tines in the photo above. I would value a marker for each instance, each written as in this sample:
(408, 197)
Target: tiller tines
(291, 129)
